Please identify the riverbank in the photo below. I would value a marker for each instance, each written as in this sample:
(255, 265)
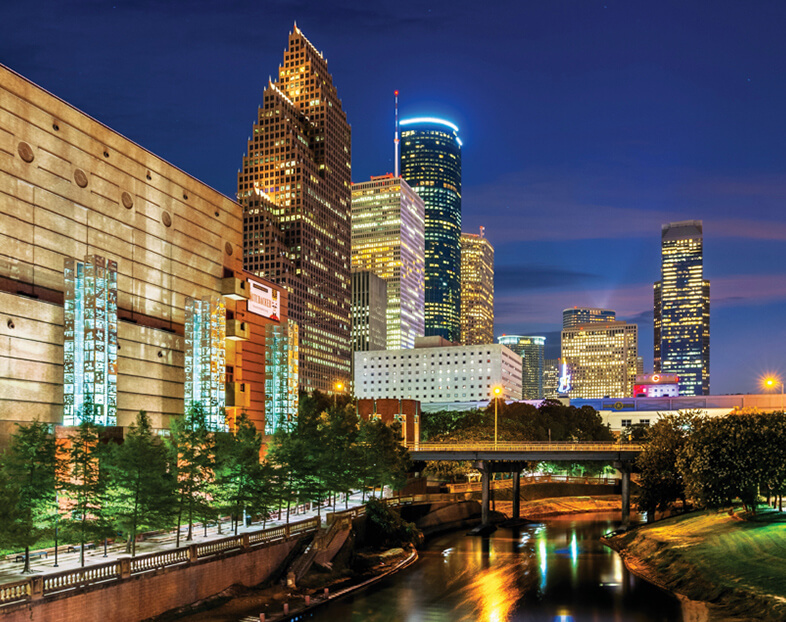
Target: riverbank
(734, 565)
(560, 506)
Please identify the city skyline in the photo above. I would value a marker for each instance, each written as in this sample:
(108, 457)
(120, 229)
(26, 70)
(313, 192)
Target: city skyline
(626, 118)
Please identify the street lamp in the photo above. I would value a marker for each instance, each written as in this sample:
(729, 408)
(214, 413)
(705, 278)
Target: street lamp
(339, 387)
(497, 391)
(771, 382)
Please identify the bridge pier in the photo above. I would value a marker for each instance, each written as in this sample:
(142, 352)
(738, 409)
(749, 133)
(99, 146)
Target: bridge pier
(625, 468)
(516, 512)
(485, 477)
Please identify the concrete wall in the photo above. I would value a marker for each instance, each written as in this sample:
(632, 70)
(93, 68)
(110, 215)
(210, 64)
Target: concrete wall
(143, 596)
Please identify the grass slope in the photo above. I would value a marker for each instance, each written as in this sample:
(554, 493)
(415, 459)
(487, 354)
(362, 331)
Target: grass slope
(737, 564)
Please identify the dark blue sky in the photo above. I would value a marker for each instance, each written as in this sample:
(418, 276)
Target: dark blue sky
(586, 126)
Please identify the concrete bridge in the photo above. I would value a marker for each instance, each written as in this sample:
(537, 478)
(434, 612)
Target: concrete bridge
(490, 457)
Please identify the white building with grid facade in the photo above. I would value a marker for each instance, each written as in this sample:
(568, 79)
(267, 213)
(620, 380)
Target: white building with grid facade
(439, 373)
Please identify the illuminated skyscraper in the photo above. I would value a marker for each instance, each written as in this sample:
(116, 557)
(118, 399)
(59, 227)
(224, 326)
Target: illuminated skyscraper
(531, 350)
(369, 306)
(584, 315)
(431, 164)
(477, 289)
(682, 309)
(295, 190)
(388, 240)
(601, 358)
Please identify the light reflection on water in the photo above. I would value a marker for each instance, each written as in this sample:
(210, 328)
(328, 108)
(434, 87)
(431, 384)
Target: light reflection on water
(556, 571)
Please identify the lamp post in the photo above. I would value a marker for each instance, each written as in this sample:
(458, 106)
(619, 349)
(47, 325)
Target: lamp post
(497, 391)
(773, 381)
(339, 387)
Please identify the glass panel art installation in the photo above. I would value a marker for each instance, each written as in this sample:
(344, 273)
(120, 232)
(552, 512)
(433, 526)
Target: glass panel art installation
(281, 374)
(90, 340)
(205, 360)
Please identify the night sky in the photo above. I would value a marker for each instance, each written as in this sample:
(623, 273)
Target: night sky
(586, 126)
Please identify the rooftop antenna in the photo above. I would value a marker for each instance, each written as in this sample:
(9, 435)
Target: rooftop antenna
(395, 136)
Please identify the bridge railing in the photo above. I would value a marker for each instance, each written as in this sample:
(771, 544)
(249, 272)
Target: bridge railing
(53, 583)
(502, 484)
(525, 447)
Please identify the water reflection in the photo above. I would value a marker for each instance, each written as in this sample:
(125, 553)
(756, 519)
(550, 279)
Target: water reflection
(556, 571)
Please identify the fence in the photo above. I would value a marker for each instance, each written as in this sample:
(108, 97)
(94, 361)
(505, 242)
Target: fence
(526, 447)
(42, 586)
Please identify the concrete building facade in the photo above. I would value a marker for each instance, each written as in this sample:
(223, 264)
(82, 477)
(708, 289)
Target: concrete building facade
(71, 189)
(438, 371)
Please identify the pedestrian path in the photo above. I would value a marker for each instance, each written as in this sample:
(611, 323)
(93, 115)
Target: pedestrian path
(11, 570)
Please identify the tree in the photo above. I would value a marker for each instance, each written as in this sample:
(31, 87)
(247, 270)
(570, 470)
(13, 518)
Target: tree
(661, 482)
(238, 471)
(140, 490)
(384, 460)
(32, 465)
(720, 461)
(192, 447)
(85, 485)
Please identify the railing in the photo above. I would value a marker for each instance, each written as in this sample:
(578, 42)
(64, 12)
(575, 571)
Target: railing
(525, 447)
(534, 479)
(45, 585)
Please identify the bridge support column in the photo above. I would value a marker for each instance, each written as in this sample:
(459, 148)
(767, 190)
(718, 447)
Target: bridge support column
(516, 512)
(625, 469)
(485, 477)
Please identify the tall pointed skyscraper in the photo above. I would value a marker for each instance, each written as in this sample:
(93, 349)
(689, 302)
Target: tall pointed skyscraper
(431, 164)
(295, 187)
(682, 309)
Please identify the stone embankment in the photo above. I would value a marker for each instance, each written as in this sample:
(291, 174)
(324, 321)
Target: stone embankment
(722, 566)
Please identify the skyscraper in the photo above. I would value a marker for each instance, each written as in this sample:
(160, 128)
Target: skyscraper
(431, 164)
(388, 240)
(682, 309)
(295, 189)
(531, 350)
(369, 303)
(477, 289)
(601, 358)
(584, 315)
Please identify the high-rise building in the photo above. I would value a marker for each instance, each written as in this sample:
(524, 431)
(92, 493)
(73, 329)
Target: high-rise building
(584, 315)
(369, 303)
(477, 289)
(531, 350)
(388, 240)
(431, 164)
(682, 309)
(551, 378)
(295, 187)
(600, 358)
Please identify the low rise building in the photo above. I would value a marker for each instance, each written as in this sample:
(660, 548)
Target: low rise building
(437, 370)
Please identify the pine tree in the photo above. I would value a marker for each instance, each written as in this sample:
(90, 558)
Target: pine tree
(192, 446)
(140, 490)
(31, 467)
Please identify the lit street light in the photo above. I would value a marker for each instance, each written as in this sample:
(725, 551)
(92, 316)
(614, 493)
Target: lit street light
(771, 382)
(339, 388)
(497, 391)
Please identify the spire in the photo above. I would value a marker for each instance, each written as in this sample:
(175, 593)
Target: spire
(395, 136)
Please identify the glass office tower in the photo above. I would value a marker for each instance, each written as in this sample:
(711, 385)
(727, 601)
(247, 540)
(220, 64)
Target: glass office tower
(431, 164)
(477, 289)
(682, 309)
(531, 350)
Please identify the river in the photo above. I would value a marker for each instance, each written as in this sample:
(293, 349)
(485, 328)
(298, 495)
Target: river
(554, 571)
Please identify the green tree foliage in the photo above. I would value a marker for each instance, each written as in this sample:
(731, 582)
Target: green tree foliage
(32, 465)
(86, 483)
(386, 528)
(192, 452)
(384, 461)
(720, 461)
(140, 490)
(239, 475)
(661, 482)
